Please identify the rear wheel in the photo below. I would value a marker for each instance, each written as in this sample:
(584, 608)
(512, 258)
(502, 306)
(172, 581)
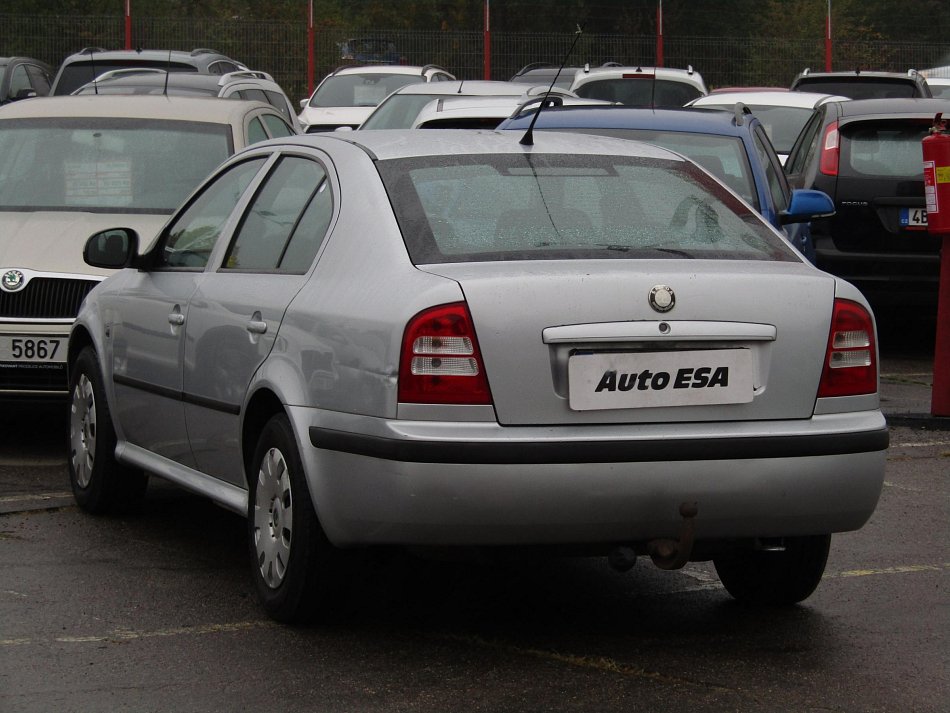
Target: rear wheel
(99, 482)
(293, 563)
(775, 578)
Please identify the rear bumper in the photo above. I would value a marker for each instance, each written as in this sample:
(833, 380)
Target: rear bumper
(426, 483)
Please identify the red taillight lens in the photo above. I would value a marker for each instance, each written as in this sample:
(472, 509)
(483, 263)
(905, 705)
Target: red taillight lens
(851, 357)
(440, 361)
(828, 163)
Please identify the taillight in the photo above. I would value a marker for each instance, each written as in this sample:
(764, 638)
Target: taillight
(828, 163)
(851, 357)
(440, 361)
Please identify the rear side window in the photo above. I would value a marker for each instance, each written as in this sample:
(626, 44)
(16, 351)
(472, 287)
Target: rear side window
(562, 207)
(885, 148)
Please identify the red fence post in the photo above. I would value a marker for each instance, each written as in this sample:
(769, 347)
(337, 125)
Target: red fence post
(486, 52)
(659, 34)
(310, 55)
(128, 24)
(828, 39)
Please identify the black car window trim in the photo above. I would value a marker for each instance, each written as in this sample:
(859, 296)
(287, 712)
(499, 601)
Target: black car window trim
(153, 260)
(245, 211)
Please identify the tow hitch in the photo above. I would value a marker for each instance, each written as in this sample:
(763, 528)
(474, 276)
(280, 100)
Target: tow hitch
(673, 554)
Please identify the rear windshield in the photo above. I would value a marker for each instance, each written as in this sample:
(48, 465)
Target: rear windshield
(398, 112)
(723, 156)
(861, 89)
(359, 89)
(569, 207)
(883, 148)
(75, 74)
(640, 92)
(106, 165)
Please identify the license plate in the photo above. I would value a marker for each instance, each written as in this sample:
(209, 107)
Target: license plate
(22, 348)
(623, 380)
(914, 218)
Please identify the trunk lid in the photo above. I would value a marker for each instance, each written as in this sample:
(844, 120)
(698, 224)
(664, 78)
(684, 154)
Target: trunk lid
(541, 325)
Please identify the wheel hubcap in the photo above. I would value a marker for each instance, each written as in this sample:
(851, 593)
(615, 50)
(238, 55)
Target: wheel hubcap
(82, 431)
(273, 518)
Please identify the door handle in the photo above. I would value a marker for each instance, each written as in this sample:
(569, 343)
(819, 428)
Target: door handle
(176, 318)
(257, 326)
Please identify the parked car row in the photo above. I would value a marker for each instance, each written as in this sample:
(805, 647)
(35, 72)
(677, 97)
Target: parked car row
(591, 324)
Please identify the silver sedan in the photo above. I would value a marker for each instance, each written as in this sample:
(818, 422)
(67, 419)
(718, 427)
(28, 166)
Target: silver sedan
(481, 339)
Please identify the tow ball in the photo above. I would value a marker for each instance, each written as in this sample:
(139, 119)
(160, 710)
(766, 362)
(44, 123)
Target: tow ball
(673, 554)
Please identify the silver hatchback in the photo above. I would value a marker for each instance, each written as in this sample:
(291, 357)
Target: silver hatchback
(465, 339)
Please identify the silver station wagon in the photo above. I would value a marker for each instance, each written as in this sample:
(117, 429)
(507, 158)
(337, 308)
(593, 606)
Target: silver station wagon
(480, 339)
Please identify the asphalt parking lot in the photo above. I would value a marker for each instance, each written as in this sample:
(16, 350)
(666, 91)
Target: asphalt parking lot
(155, 611)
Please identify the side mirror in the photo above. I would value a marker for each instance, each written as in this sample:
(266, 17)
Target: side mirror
(807, 205)
(344, 128)
(304, 102)
(111, 249)
(26, 93)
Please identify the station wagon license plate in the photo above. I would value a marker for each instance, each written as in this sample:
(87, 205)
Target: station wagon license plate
(33, 348)
(914, 218)
(623, 380)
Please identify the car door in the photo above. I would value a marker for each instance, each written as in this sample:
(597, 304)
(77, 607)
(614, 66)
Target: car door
(236, 311)
(147, 336)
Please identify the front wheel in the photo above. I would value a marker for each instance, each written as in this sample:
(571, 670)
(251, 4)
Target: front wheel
(99, 482)
(775, 578)
(293, 563)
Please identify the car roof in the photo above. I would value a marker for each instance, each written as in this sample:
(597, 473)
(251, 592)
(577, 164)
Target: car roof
(487, 107)
(209, 110)
(145, 54)
(803, 100)
(923, 106)
(10, 60)
(706, 121)
(158, 78)
(406, 143)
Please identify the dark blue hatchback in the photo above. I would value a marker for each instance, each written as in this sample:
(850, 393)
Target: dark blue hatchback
(733, 146)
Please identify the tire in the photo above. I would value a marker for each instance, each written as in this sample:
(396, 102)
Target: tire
(100, 484)
(295, 568)
(775, 578)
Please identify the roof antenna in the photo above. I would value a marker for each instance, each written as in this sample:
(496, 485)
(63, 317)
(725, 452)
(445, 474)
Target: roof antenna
(528, 138)
(168, 69)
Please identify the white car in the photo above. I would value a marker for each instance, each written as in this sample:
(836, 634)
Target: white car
(660, 87)
(73, 165)
(782, 113)
(486, 112)
(347, 96)
(401, 108)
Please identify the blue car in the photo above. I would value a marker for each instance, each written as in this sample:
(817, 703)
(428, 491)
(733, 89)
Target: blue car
(732, 145)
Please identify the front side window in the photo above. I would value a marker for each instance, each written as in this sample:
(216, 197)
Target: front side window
(189, 240)
(106, 165)
(398, 111)
(550, 206)
(277, 126)
(286, 222)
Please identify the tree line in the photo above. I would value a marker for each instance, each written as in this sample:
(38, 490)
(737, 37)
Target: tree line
(889, 20)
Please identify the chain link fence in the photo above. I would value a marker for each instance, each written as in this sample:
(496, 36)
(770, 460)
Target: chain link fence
(280, 48)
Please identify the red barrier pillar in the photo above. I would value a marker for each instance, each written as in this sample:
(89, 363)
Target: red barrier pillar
(128, 24)
(659, 34)
(486, 52)
(940, 396)
(310, 55)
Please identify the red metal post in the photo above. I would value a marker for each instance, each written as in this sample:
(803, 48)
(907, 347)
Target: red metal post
(828, 39)
(940, 393)
(487, 39)
(310, 53)
(128, 24)
(659, 34)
